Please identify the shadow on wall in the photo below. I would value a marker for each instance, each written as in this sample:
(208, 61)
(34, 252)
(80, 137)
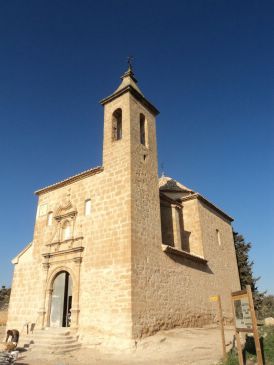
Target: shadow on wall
(189, 262)
(172, 226)
(175, 235)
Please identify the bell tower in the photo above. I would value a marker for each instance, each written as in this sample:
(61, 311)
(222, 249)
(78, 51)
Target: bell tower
(130, 162)
(129, 123)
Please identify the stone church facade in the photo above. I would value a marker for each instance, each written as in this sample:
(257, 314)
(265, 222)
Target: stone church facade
(117, 252)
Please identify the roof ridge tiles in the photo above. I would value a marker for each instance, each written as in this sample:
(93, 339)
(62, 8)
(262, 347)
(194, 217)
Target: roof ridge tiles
(70, 180)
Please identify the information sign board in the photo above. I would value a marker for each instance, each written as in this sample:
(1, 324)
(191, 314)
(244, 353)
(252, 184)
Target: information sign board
(245, 320)
(243, 314)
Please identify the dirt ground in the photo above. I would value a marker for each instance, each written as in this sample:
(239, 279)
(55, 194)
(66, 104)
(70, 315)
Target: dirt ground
(184, 346)
(3, 317)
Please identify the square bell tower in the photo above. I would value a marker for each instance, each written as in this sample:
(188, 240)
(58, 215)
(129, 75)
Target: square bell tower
(130, 154)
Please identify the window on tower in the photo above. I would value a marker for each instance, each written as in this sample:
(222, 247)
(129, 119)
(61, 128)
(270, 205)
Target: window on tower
(143, 130)
(117, 124)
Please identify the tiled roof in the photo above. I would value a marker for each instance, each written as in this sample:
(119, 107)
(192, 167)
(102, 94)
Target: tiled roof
(167, 183)
(70, 180)
(129, 84)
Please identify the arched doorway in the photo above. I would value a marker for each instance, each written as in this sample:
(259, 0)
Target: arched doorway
(61, 300)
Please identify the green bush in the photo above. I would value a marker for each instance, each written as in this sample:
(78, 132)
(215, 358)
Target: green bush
(231, 360)
(4, 297)
(268, 334)
(269, 345)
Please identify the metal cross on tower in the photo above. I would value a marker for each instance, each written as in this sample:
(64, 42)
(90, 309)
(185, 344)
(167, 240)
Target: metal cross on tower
(130, 62)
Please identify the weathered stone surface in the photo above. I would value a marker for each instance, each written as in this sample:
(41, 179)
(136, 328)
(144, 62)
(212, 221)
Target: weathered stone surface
(123, 285)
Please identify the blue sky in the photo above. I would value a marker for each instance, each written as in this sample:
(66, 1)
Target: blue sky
(206, 65)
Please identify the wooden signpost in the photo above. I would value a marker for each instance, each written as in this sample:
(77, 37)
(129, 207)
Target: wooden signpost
(217, 298)
(245, 321)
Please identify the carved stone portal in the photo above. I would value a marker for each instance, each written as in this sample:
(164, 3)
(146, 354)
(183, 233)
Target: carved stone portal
(62, 254)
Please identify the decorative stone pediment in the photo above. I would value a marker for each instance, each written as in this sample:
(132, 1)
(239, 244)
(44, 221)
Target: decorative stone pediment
(65, 209)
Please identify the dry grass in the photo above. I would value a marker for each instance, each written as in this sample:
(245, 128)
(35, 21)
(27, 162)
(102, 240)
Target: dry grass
(3, 318)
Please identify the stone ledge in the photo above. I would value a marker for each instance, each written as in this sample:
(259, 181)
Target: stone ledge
(69, 240)
(48, 255)
(187, 255)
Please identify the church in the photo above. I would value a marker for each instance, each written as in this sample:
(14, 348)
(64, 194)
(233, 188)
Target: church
(118, 252)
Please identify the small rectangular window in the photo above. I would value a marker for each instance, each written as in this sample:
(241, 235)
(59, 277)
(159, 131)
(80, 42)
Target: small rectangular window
(218, 237)
(88, 207)
(50, 216)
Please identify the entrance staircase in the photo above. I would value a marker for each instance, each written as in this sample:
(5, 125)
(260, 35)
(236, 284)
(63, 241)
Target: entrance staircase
(51, 341)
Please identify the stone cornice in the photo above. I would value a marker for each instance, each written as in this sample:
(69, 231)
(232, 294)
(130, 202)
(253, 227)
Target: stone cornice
(70, 180)
(176, 191)
(136, 94)
(65, 241)
(175, 251)
(48, 255)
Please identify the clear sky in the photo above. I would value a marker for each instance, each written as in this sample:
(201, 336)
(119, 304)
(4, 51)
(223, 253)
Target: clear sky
(207, 65)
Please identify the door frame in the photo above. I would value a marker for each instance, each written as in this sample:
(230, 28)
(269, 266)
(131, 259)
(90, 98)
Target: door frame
(75, 294)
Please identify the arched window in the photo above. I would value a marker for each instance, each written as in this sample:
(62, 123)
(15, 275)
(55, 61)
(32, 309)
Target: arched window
(66, 231)
(50, 216)
(143, 133)
(88, 207)
(117, 124)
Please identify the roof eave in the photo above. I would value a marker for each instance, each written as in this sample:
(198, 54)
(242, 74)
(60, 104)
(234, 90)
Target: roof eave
(15, 260)
(136, 94)
(179, 190)
(70, 180)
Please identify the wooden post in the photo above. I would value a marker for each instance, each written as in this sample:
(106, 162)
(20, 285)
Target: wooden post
(217, 298)
(221, 319)
(238, 340)
(239, 348)
(255, 328)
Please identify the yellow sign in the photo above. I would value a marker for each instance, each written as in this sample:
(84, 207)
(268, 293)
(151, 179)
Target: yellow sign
(215, 298)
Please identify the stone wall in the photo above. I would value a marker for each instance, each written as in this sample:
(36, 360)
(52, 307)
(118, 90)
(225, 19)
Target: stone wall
(25, 294)
(192, 227)
(104, 274)
(171, 290)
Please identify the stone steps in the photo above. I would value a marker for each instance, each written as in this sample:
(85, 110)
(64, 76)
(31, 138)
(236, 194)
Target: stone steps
(55, 349)
(51, 340)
